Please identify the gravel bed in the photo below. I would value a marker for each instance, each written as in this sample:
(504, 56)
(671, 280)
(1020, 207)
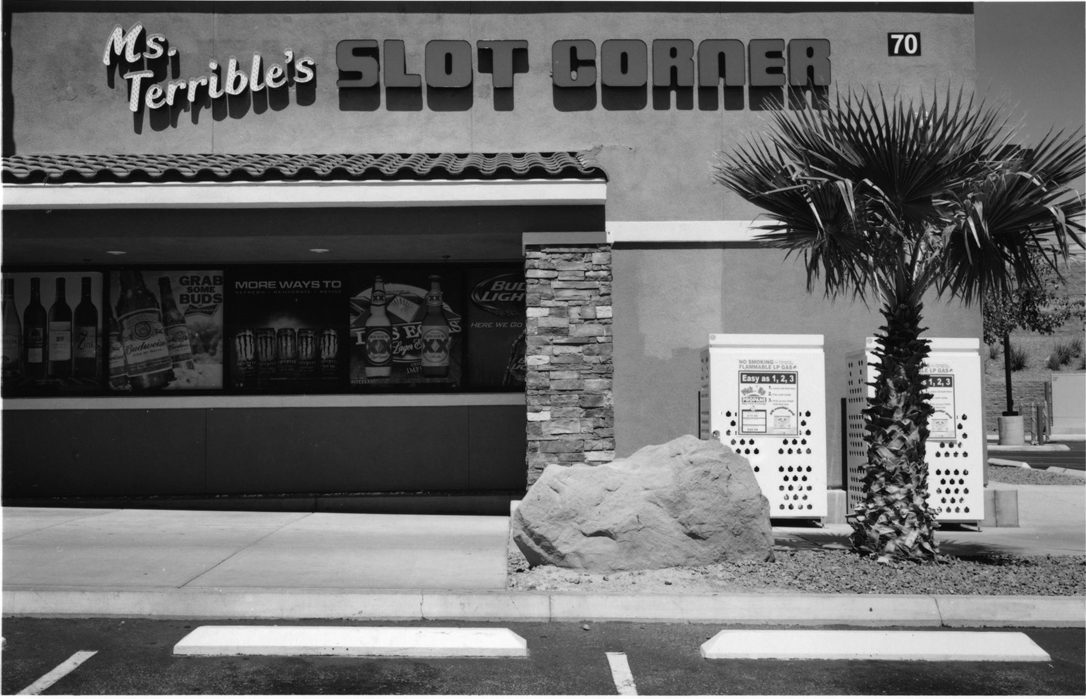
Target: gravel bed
(1031, 476)
(826, 571)
(833, 569)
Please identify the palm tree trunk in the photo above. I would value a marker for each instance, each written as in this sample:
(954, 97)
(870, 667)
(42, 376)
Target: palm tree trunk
(894, 520)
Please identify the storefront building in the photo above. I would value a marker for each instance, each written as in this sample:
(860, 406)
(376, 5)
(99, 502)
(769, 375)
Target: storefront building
(402, 255)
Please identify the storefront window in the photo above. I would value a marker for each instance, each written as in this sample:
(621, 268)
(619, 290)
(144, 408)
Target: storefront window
(282, 329)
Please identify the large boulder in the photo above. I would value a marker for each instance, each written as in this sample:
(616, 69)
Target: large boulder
(686, 502)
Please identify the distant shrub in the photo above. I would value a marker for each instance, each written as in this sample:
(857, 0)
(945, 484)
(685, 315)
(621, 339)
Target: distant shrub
(1062, 354)
(993, 351)
(1019, 358)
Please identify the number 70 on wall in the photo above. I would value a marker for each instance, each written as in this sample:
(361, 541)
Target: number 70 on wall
(903, 43)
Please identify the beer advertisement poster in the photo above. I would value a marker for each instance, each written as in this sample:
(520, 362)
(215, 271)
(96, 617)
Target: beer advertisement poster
(52, 333)
(406, 326)
(496, 320)
(287, 329)
(166, 330)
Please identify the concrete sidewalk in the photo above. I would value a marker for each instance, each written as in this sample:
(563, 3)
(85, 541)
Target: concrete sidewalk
(202, 550)
(1052, 521)
(273, 565)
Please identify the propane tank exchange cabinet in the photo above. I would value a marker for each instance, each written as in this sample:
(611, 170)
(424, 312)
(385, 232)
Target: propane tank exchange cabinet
(955, 448)
(764, 396)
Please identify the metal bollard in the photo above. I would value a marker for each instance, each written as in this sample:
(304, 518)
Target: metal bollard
(1039, 427)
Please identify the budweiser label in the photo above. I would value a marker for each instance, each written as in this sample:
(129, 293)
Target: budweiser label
(177, 339)
(144, 341)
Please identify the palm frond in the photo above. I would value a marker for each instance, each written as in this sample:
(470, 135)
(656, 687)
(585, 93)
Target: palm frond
(876, 180)
(1023, 207)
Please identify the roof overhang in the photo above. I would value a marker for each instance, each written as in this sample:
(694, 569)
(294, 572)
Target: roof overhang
(294, 194)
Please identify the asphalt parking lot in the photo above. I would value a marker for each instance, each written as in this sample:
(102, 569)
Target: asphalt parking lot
(135, 656)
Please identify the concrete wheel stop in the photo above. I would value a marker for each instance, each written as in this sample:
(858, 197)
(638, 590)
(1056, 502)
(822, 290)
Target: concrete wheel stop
(353, 641)
(939, 646)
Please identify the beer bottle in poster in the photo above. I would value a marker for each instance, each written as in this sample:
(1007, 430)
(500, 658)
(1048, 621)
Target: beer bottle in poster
(35, 330)
(516, 367)
(13, 334)
(177, 331)
(146, 352)
(435, 333)
(378, 334)
(118, 371)
(60, 334)
(86, 334)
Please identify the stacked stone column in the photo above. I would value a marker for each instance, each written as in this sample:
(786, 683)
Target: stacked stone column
(569, 356)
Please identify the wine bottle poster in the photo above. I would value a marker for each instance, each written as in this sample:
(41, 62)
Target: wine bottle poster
(420, 312)
(496, 320)
(287, 329)
(52, 333)
(166, 329)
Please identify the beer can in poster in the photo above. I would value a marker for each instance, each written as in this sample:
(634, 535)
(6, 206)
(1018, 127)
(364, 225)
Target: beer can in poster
(286, 361)
(307, 351)
(244, 356)
(329, 351)
(265, 352)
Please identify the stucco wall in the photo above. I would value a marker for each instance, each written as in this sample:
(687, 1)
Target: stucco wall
(658, 160)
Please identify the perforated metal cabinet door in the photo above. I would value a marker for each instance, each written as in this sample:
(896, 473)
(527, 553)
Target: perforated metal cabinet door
(768, 405)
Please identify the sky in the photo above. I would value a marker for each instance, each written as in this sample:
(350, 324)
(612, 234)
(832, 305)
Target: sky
(1032, 57)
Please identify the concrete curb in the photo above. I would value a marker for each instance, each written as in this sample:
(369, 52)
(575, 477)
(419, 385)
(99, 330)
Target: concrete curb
(1008, 462)
(741, 609)
(996, 448)
(1067, 471)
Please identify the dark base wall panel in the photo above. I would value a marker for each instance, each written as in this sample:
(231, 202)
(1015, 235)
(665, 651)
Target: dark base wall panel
(265, 451)
(102, 452)
(336, 450)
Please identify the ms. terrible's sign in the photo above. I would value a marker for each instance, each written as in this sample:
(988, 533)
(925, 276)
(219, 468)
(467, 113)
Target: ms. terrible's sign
(147, 58)
(618, 70)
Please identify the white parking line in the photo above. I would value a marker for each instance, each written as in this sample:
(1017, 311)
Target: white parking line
(620, 672)
(56, 674)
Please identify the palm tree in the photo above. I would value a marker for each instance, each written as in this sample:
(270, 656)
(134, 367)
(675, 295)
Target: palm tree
(888, 198)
